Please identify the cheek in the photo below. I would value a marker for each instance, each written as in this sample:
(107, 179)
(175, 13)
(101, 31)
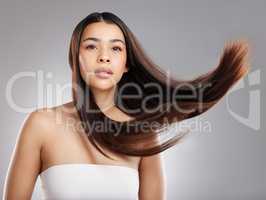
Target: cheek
(81, 62)
(119, 62)
(85, 64)
(84, 68)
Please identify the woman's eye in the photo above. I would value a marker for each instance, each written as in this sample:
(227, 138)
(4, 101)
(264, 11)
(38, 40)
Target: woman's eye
(90, 47)
(117, 48)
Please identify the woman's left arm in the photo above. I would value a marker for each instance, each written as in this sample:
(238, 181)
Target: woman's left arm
(152, 178)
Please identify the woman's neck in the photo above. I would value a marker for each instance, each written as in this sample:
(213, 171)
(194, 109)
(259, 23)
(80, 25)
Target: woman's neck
(104, 98)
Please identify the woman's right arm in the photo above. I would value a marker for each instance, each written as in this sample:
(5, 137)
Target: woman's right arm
(25, 162)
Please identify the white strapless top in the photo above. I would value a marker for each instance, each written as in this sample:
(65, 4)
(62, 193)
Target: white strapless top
(89, 181)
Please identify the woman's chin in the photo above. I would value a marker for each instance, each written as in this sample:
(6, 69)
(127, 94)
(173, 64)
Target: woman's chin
(102, 86)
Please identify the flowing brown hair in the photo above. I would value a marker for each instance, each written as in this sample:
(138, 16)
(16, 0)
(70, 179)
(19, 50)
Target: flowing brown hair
(138, 137)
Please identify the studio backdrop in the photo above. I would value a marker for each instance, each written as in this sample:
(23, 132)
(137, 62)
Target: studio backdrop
(224, 156)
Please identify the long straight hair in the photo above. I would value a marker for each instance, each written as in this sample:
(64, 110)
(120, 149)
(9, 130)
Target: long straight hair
(139, 137)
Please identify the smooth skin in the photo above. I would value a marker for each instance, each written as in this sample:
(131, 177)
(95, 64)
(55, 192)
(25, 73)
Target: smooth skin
(53, 136)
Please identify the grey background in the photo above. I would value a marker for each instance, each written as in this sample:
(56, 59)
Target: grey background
(185, 37)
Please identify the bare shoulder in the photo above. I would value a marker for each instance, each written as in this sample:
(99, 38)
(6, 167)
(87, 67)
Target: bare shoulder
(37, 122)
(25, 161)
(42, 123)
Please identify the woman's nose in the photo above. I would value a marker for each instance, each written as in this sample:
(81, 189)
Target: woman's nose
(104, 59)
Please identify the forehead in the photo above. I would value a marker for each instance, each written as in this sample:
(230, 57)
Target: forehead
(103, 31)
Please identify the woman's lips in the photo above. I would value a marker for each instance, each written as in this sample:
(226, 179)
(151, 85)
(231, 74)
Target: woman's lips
(103, 73)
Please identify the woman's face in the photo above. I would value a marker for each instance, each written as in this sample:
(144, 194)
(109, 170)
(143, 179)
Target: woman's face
(102, 55)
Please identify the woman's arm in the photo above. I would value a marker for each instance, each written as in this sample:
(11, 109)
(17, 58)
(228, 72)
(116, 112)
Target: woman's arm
(152, 178)
(25, 161)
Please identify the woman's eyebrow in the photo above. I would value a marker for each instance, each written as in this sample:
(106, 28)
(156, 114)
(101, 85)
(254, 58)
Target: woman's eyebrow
(97, 40)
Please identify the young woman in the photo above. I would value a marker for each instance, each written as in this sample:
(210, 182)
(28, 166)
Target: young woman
(106, 143)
